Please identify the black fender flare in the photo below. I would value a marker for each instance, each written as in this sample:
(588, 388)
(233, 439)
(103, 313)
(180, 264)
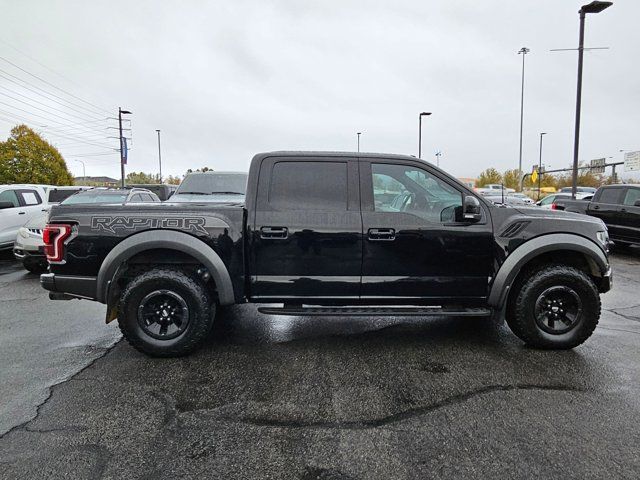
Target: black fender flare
(152, 239)
(534, 247)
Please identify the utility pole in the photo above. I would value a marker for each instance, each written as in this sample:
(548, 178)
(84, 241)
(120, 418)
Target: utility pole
(423, 114)
(123, 159)
(159, 156)
(438, 155)
(359, 141)
(523, 51)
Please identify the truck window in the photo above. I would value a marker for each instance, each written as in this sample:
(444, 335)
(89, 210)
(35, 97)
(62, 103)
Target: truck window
(403, 188)
(30, 197)
(610, 195)
(309, 186)
(632, 196)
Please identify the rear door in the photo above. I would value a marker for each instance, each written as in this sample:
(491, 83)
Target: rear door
(630, 214)
(306, 244)
(606, 206)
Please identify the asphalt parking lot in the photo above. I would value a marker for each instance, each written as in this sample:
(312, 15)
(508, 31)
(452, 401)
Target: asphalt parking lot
(315, 398)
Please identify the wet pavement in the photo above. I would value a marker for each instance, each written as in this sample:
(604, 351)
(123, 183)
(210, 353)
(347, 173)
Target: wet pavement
(319, 398)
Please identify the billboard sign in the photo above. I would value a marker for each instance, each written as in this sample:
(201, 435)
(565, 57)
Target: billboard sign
(597, 165)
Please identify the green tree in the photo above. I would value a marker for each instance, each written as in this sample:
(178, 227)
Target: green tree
(203, 169)
(142, 178)
(511, 179)
(26, 157)
(490, 175)
(171, 180)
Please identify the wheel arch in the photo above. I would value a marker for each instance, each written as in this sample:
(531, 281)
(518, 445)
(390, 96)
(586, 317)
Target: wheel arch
(546, 246)
(165, 239)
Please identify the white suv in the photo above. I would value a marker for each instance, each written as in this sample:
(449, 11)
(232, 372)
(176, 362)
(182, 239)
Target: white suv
(18, 205)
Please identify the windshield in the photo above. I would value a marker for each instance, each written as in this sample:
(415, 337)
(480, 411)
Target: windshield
(209, 183)
(96, 198)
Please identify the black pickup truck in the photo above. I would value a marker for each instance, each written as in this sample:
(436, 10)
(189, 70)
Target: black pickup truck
(618, 206)
(331, 234)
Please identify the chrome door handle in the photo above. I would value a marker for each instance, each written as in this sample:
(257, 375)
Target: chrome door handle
(269, 233)
(381, 234)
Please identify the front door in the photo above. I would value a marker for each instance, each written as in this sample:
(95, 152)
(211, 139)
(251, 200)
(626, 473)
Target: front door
(306, 242)
(606, 206)
(417, 248)
(630, 214)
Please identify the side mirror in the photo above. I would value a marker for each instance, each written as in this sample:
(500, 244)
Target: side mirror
(4, 205)
(636, 203)
(472, 212)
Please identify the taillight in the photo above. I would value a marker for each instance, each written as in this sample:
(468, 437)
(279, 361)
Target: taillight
(54, 236)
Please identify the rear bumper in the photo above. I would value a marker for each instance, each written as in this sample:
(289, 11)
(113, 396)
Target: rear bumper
(23, 253)
(81, 287)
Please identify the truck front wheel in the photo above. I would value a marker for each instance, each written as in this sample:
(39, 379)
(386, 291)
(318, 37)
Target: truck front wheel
(165, 313)
(557, 307)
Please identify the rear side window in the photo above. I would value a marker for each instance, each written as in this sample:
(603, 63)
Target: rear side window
(632, 196)
(10, 197)
(309, 186)
(610, 195)
(30, 197)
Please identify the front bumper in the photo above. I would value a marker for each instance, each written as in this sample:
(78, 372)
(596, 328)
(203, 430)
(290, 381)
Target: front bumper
(606, 282)
(80, 287)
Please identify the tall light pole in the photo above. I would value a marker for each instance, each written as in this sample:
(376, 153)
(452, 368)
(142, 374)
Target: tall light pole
(593, 7)
(523, 51)
(84, 171)
(359, 141)
(423, 114)
(123, 159)
(159, 156)
(438, 155)
(540, 165)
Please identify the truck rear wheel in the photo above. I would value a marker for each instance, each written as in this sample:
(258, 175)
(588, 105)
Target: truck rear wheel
(165, 313)
(557, 307)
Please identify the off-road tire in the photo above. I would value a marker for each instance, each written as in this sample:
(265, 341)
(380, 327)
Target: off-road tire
(520, 314)
(199, 301)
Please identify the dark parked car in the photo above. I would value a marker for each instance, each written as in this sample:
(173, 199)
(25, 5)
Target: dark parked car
(618, 206)
(331, 234)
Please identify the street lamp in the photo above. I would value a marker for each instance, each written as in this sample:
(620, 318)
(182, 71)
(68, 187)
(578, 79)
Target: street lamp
(423, 114)
(84, 172)
(359, 141)
(159, 156)
(122, 157)
(523, 51)
(593, 7)
(540, 165)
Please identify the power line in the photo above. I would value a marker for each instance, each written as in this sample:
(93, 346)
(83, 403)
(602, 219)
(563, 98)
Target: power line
(66, 119)
(66, 111)
(46, 94)
(52, 85)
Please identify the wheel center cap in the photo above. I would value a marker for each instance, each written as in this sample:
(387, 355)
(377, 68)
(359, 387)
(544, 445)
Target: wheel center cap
(554, 309)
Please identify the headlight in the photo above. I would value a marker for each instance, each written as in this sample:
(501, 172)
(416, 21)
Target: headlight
(603, 238)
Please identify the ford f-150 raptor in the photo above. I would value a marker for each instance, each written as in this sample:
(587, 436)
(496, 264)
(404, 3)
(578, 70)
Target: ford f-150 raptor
(331, 234)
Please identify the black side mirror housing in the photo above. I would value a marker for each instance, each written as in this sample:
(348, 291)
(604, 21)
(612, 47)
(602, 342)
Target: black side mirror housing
(472, 212)
(636, 203)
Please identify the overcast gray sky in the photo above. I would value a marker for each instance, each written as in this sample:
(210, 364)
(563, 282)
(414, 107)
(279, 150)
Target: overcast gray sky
(225, 80)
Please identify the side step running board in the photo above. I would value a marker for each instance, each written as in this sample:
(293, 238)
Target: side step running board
(376, 311)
